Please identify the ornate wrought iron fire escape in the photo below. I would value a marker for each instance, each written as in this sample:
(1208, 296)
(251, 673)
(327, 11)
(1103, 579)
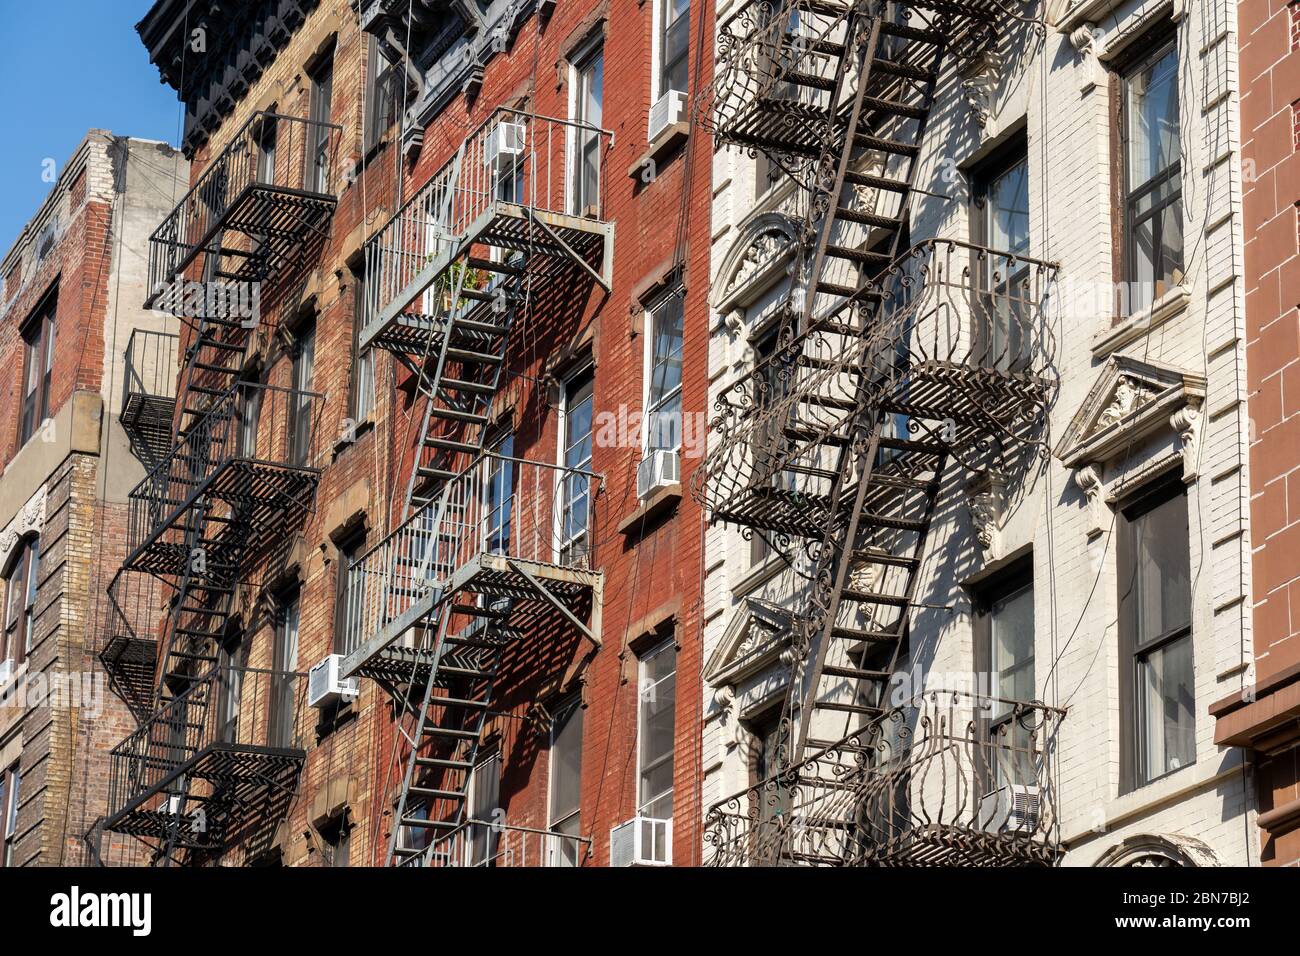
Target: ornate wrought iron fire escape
(215, 759)
(891, 363)
(484, 536)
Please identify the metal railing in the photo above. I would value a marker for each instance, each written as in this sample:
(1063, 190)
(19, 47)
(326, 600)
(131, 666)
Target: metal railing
(486, 843)
(513, 160)
(150, 366)
(533, 511)
(271, 152)
(947, 778)
(971, 315)
(231, 707)
(268, 426)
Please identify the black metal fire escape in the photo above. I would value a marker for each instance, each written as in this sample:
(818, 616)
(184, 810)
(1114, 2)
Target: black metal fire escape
(450, 276)
(891, 363)
(239, 472)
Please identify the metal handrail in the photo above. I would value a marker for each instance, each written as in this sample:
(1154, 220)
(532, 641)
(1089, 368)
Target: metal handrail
(150, 365)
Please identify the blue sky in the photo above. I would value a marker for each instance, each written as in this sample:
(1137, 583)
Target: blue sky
(95, 74)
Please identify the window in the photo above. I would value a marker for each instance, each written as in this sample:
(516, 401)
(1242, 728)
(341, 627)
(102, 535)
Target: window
(566, 786)
(1004, 650)
(499, 495)
(656, 710)
(300, 401)
(663, 408)
(588, 95)
(10, 793)
(1001, 223)
(768, 442)
(575, 453)
(266, 137)
(230, 689)
(1152, 176)
(674, 44)
(38, 360)
(249, 412)
(769, 803)
(1155, 600)
(336, 840)
(322, 102)
(347, 607)
(484, 801)
(361, 395)
(20, 601)
(281, 731)
(383, 94)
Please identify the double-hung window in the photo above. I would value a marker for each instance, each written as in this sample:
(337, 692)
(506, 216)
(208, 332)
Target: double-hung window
(38, 361)
(565, 798)
(575, 479)
(322, 104)
(300, 400)
(674, 45)
(383, 94)
(656, 711)
(1004, 635)
(499, 494)
(281, 731)
(663, 409)
(361, 396)
(348, 599)
(20, 586)
(1152, 176)
(484, 803)
(1155, 621)
(1002, 195)
(10, 790)
(587, 108)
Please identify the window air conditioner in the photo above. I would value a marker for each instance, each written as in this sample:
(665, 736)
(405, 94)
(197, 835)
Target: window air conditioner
(1025, 810)
(667, 110)
(641, 841)
(504, 146)
(325, 687)
(659, 469)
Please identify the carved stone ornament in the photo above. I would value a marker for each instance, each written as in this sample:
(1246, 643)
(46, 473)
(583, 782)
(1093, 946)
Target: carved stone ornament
(29, 520)
(979, 83)
(1088, 480)
(986, 502)
(1187, 422)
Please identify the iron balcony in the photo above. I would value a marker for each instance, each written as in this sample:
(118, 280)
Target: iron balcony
(149, 393)
(257, 208)
(248, 469)
(948, 778)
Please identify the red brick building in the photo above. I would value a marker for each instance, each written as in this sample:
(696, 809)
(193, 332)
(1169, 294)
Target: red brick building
(1264, 717)
(426, 290)
(70, 315)
(575, 197)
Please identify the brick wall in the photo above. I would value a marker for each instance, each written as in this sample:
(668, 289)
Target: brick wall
(1270, 70)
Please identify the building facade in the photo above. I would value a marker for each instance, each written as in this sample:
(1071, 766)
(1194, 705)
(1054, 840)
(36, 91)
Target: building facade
(533, 609)
(70, 302)
(980, 560)
(1261, 716)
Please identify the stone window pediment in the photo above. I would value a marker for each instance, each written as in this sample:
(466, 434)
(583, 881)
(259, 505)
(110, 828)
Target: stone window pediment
(762, 255)
(755, 638)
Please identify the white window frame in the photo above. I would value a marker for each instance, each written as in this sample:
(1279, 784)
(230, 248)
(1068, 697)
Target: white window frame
(577, 61)
(561, 446)
(567, 709)
(648, 372)
(669, 644)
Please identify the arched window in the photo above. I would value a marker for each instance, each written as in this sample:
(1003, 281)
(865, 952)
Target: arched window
(20, 601)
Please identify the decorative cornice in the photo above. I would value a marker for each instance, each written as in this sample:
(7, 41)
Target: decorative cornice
(760, 255)
(29, 520)
(754, 639)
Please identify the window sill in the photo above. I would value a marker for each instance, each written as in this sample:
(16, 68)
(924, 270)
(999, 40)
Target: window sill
(659, 147)
(652, 509)
(362, 429)
(1172, 303)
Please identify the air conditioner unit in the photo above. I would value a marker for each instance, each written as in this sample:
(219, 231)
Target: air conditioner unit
(659, 469)
(1012, 809)
(6, 671)
(504, 146)
(325, 687)
(641, 841)
(667, 110)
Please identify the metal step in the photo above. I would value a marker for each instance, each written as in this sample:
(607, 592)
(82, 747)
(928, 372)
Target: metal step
(875, 182)
(861, 634)
(873, 597)
(853, 673)
(863, 256)
(882, 145)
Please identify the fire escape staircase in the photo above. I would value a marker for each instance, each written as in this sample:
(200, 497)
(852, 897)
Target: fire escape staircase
(891, 362)
(452, 272)
(233, 484)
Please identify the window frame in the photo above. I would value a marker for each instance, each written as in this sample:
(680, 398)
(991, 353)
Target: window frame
(667, 645)
(347, 594)
(382, 80)
(361, 368)
(650, 406)
(17, 633)
(583, 376)
(1134, 650)
(559, 722)
(581, 140)
(281, 729)
(1147, 51)
(10, 798)
(38, 335)
(302, 375)
(320, 108)
(662, 66)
